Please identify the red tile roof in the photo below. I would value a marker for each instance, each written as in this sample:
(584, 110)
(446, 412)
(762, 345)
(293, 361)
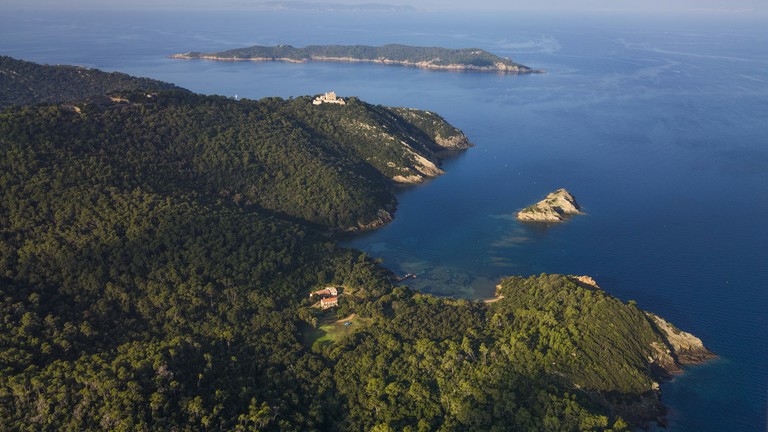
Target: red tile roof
(329, 300)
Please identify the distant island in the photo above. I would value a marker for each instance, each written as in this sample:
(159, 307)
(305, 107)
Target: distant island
(327, 6)
(464, 59)
(554, 208)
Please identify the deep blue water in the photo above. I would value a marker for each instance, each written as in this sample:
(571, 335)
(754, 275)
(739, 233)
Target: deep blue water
(659, 127)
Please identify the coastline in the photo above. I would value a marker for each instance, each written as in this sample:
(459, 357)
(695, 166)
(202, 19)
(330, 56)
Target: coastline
(695, 270)
(497, 68)
(667, 359)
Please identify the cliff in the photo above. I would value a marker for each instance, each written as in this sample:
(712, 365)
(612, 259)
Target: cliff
(444, 135)
(683, 347)
(465, 59)
(554, 208)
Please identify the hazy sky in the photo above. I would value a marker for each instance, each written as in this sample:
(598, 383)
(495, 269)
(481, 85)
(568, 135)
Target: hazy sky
(660, 6)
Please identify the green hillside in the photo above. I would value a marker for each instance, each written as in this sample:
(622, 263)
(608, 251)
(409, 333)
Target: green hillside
(277, 155)
(23, 82)
(156, 256)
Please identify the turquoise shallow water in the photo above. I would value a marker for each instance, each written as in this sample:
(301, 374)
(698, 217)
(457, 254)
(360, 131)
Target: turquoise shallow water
(659, 127)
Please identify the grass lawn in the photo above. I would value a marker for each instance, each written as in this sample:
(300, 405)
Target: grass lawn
(330, 329)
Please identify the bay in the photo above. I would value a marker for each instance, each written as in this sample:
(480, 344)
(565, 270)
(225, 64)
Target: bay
(658, 125)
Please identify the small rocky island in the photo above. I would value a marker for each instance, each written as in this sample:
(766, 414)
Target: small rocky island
(554, 208)
(464, 59)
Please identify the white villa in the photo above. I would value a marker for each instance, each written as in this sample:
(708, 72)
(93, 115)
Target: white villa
(326, 292)
(329, 97)
(329, 297)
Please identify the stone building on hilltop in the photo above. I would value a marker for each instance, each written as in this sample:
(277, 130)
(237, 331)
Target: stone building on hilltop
(329, 97)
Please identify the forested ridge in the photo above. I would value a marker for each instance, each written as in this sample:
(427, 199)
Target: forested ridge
(157, 249)
(23, 82)
(275, 154)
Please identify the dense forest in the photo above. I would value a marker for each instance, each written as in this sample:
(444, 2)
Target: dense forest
(157, 249)
(23, 82)
(274, 154)
(466, 58)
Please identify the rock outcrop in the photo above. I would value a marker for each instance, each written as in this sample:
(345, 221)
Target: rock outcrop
(382, 218)
(683, 346)
(453, 142)
(554, 208)
(586, 282)
(444, 135)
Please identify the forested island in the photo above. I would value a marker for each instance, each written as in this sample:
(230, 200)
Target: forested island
(464, 59)
(158, 248)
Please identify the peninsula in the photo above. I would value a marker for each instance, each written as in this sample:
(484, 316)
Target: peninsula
(464, 59)
(554, 208)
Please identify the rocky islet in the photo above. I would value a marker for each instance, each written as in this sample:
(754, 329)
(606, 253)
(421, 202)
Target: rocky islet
(556, 207)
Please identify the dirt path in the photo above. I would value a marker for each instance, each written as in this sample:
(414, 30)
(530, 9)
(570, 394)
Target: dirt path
(349, 318)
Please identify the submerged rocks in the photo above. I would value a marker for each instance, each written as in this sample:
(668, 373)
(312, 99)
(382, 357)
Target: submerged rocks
(554, 208)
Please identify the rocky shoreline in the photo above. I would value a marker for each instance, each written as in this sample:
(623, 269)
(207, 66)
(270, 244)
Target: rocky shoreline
(682, 348)
(678, 349)
(496, 68)
(667, 354)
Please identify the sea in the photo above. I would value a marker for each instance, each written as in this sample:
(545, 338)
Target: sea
(656, 123)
